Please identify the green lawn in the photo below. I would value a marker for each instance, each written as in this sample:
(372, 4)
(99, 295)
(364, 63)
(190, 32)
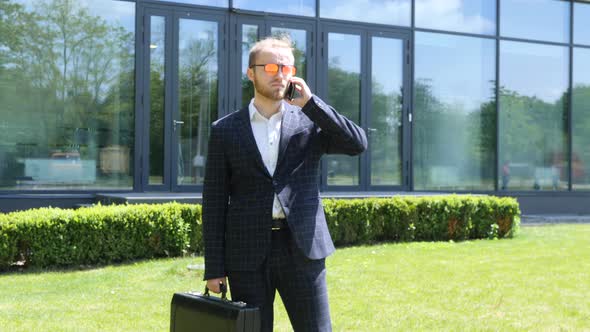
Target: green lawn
(539, 280)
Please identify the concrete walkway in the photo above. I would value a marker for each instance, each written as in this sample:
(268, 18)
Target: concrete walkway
(543, 219)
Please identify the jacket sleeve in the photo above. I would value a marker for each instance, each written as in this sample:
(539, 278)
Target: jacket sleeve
(338, 134)
(215, 204)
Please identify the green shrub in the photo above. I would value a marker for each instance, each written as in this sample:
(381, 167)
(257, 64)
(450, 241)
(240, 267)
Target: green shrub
(426, 218)
(100, 234)
(107, 234)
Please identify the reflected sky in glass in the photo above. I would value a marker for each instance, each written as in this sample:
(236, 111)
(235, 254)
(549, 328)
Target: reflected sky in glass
(386, 55)
(341, 45)
(393, 12)
(581, 66)
(215, 3)
(461, 71)
(288, 7)
(546, 20)
(581, 23)
(522, 64)
(474, 16)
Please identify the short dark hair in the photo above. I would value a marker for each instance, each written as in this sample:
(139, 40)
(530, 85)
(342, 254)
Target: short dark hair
(283, 41)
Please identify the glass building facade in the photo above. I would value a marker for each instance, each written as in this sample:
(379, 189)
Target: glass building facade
(114, 96)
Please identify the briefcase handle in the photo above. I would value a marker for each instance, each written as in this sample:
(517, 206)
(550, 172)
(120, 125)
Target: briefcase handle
(223, 288)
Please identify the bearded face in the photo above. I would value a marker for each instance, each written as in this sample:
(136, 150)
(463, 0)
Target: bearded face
(271, 86)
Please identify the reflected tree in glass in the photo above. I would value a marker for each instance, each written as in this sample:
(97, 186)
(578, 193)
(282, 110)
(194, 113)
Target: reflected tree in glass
(67, 84)
(157, 100)
(454, 113)
(198, 90)
(385, 128)
(533, 117)
(344, 84)
(249, 38)
(581, 120)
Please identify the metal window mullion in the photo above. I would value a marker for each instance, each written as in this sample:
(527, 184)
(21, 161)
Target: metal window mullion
(366, 109)
(497, 97)
(407, 129)
(141, 26)
(570, 108)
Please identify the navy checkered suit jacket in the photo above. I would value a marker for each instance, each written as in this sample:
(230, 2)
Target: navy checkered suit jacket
(238, 190)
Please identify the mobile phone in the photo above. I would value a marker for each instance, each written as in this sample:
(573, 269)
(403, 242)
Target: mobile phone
(290, 91)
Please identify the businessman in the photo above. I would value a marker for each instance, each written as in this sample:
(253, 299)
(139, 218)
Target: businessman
(264, 227)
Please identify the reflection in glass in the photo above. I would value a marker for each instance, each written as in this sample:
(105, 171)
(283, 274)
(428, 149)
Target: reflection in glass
(474, 16)
(581, 120)
(391, 12)
(249, 38)
(385, 129)
(286, 7)
(344, 86)
(67, 94)
(546, 20)
(533, 117)
(197, 95)
(157, 99)
(299, 39)
(581, 23)
(454, 113)
(215, 3)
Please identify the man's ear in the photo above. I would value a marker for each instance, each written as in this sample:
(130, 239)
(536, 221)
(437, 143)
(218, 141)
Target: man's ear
(250, 73)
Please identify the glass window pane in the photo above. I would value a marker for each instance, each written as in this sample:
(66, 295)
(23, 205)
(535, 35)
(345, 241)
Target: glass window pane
(533, 117)
(454, 113)
(67, 90)
(581, 120)
(299, 40)
(157, 103)
(385, 130)
(474, 16)
(392, 12)
(215, 3)
(546, 20)
(197, 95)
(299, 7)
(581, 23)
(344, 94)
(249, 38)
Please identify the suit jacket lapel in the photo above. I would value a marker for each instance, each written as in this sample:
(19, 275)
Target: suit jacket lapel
(247, 136)
(288, 126)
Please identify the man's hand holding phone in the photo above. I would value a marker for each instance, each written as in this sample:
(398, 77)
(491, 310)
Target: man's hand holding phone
(298, 85)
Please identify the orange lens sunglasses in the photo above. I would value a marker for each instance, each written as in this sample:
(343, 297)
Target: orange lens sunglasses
(273, 68)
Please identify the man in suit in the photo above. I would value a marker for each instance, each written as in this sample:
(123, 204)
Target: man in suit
(263, 223)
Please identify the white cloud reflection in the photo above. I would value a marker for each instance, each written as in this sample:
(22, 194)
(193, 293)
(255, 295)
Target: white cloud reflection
(395, 12)
(454, 15)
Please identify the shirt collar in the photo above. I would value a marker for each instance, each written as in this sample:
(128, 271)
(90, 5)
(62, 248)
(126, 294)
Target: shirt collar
(254, 111)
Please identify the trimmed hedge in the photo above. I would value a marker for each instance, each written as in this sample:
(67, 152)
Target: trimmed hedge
(427, 218)
(98, 235)
(107, 234)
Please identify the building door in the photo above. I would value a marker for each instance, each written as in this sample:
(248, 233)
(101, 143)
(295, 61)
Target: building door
(182, 93)
(246, 30)
(365, 76)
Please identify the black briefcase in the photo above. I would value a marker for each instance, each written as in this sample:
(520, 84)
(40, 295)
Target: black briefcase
(201, 312)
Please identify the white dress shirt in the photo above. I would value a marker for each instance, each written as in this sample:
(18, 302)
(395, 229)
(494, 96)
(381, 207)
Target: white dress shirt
(267, 133)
